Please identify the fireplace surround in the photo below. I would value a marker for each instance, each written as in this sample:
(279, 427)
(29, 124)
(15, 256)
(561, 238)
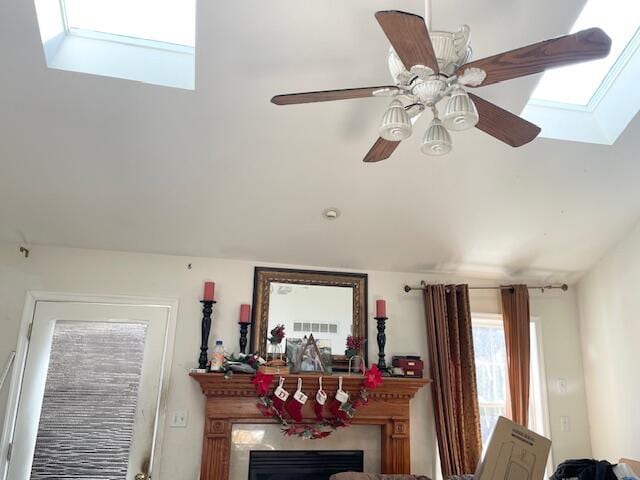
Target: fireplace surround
(233, 401)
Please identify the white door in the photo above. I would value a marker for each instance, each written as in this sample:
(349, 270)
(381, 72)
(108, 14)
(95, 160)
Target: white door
(90, 392)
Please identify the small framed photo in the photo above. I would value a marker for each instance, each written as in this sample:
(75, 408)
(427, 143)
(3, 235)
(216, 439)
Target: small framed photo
(293, 349)
(307, 357)
(324, 346)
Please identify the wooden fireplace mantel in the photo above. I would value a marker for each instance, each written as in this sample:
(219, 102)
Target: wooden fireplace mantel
(234, 400)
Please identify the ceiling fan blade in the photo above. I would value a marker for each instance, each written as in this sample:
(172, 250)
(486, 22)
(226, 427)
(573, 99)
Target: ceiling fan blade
(381, 150)
(330, 95)
(578, 47)
(409, 37)
(503, 125)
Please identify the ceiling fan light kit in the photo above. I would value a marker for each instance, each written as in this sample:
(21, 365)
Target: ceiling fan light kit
(460, 113)
(429, 67)
(437, 140)
(395, 125)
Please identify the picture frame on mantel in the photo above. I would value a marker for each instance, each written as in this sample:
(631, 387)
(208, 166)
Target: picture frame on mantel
(272, 287)
(308, 357)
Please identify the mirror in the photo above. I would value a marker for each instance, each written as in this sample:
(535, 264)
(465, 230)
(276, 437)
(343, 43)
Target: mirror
(329, 305)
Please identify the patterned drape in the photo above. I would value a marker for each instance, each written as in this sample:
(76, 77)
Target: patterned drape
(455, 396)
(515, 313)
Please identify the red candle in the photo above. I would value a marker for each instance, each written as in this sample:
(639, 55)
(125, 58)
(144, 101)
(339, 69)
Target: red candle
(209, 288)
(381, 308)
(245, 313)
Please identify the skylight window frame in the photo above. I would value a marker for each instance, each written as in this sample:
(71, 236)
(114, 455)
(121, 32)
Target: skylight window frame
(623, 59)
(122, 39)
(114, 55)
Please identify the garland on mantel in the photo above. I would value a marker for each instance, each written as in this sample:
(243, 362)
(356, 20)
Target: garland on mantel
(342, 413)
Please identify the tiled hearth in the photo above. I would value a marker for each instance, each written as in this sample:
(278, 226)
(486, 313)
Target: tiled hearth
(247, 437)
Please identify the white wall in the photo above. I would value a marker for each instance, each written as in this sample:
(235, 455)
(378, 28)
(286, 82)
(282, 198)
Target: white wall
(610, 330)
(92, 271)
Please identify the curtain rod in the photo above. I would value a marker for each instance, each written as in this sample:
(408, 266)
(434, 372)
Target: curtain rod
(564, 287)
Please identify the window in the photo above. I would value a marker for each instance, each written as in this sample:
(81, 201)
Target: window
(90, 398)
(168, 21)
(577, 84)
(151, 41)
(593, 101)
(491, 374)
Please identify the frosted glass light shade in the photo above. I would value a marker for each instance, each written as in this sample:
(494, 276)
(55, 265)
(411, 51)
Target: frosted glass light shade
(437, 140)
(395, 125)
(460, 112)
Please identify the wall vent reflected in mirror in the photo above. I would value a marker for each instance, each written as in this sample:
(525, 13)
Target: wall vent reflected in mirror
(315, 327)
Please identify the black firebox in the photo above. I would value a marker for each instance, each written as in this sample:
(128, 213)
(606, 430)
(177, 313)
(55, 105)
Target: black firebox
(303, 465)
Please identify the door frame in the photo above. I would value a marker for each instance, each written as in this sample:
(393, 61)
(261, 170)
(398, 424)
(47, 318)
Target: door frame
(32, 297)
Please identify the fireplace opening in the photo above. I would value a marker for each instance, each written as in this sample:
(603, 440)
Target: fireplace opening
(303, 464)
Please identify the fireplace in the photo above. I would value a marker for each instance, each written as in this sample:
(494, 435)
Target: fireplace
(232, 402)
(307, 464)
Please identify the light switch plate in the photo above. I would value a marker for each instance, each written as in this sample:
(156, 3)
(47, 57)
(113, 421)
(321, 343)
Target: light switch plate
(565, 424)
(179, 419)
(562, 385)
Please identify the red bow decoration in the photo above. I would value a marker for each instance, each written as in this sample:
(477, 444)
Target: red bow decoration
(262, 383)
(372, 377)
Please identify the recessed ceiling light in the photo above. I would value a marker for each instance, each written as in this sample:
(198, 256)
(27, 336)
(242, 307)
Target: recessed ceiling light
(331, 213)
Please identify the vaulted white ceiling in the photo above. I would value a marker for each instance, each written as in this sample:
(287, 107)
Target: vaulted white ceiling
(104, 163)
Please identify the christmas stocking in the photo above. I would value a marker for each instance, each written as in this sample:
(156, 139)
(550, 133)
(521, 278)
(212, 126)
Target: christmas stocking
(280, 396)
(340, 399)
(321, 398)
(294, 404)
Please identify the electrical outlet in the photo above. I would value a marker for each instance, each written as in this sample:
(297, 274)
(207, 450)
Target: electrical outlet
(179, 419)
(565, 424)
(562, 385)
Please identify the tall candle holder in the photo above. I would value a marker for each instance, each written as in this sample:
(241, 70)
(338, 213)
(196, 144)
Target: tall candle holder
(382, 341)
(207, 311)
(244, 326)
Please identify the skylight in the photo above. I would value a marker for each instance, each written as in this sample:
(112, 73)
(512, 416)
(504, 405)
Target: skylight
(578, 84)
(168, 21)
(593, 101)
(149, 41)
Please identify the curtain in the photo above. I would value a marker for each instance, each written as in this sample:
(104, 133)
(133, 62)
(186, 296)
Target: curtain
(515, 313)
(455, 396)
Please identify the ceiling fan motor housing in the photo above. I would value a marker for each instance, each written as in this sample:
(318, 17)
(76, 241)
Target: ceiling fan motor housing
(452, 50)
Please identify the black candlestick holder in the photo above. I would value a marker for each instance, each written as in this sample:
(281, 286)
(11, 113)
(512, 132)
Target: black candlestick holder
(207, 311)
(244, 326)
(382, 341)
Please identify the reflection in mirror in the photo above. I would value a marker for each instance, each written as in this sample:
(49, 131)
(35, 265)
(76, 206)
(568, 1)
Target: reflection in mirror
(324, 311)
(329, 305)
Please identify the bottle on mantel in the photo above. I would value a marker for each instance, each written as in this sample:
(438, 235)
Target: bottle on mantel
(217, 357)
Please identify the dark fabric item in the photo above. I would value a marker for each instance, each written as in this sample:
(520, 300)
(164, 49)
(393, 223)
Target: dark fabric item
(585, 469)
(375, 476)
(454, 389)
(517, 333)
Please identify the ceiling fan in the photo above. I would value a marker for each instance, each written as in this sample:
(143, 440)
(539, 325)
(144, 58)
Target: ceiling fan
(427, 68)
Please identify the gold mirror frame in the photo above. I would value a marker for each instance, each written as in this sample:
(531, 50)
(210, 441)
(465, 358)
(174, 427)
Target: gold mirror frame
(264, 276)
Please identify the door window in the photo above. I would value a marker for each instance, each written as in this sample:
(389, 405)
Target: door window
(89, 404)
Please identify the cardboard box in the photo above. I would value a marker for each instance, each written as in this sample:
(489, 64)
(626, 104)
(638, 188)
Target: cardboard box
(514, 453)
